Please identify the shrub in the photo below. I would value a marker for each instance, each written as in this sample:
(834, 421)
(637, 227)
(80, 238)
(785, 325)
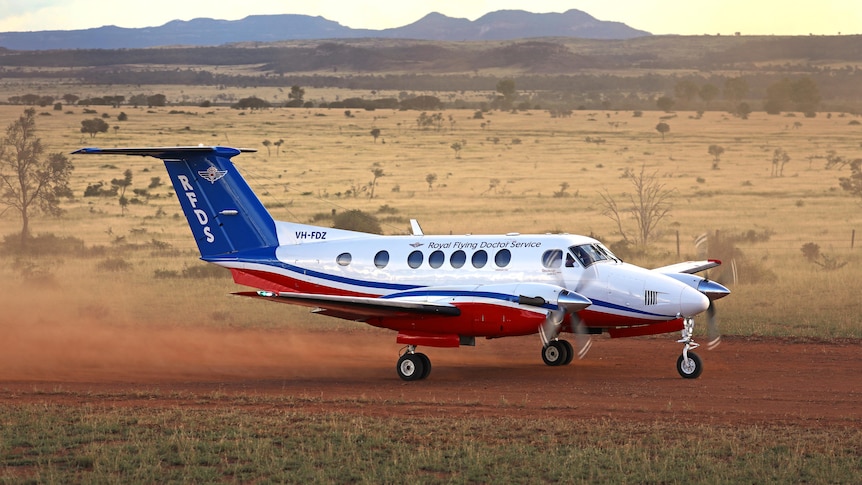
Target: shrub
(114, 265)
(357, 220)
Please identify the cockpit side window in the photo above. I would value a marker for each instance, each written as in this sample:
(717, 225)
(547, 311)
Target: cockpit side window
(588, 254)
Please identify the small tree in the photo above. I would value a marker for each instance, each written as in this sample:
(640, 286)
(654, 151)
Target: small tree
(29, 183)
(430, 179)
(121, 186)
(267, 144)
(648, 205)
(779, 159)
(94, 126)
(377, 172)
(662, 128)
(853, 183)
(278, 145)
(665, 103)
(296, 93)
(375, 133)
(506, 88)
(716, 151)
(457, 148)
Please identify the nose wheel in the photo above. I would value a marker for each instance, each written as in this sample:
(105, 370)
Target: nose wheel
(688, 364)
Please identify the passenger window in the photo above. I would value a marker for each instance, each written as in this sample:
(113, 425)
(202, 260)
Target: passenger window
(436, 259)
(458, 258)
(344, 259)
(480, 258)
(381, 259)
(552, 258)
(415, 259)
(502, 258)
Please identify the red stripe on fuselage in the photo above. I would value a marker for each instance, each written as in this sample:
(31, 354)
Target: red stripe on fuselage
(478, 319)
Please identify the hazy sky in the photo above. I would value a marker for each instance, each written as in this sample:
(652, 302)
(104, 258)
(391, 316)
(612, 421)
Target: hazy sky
(779, 17)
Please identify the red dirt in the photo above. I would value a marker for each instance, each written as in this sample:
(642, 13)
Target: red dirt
(764, 381)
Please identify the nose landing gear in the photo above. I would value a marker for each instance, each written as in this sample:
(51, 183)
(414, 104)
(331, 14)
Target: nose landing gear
(688, 364)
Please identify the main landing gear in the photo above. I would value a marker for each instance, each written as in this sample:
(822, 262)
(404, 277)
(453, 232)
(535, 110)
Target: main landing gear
(413, 366)
(558, 352)
(688, 364)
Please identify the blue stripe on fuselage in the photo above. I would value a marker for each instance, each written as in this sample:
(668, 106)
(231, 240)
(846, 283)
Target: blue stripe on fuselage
(267, 257)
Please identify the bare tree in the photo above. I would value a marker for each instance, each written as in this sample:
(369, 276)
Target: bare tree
(648, 205)
(28, 182)
(779, 160)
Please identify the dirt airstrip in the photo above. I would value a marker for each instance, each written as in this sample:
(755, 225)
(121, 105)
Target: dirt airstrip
(766, 381)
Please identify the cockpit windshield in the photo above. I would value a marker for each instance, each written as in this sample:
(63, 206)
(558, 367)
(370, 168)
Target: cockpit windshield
(588, 254)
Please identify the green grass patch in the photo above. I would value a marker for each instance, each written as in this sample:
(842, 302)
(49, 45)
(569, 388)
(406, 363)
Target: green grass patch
(271, 442)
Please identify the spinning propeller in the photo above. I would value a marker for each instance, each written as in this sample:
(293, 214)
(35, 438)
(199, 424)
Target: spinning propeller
(713, 291)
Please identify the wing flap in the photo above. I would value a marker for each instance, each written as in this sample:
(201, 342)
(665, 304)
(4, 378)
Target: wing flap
(357, 308)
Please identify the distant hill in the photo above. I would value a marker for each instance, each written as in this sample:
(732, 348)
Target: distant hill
(500, 25)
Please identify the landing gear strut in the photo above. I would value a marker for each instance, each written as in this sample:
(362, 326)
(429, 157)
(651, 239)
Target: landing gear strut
(688, 364)
(413, 366)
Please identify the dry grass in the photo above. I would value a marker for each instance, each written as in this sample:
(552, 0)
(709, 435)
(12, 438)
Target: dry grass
(530, 154)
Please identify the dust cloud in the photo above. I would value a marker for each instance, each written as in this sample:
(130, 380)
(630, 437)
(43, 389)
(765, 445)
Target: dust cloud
(46, 337)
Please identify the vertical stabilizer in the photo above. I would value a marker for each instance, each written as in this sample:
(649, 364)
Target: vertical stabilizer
(224, 214)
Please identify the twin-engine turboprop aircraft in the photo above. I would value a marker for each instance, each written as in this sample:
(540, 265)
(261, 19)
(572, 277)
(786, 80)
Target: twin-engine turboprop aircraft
(435, 291)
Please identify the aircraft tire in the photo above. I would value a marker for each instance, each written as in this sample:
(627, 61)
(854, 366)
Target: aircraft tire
(426, 365)
(555, 353)
(570, 352)
(411, 367)
(690, 370)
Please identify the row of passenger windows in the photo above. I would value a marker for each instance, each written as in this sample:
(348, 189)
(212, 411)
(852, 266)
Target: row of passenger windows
(436, 259)
(586, 254)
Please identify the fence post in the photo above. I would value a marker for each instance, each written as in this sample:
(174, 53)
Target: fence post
(852, 238)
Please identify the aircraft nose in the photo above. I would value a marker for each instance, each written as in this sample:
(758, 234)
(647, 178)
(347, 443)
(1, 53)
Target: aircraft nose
(692, 302)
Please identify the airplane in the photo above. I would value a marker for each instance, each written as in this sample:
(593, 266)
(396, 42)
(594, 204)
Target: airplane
(434, 290)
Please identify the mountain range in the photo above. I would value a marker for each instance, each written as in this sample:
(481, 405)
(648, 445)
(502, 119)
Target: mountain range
(499, 25)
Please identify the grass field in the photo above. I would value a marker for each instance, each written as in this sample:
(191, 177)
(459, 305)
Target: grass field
(503, 180)
(254, 440)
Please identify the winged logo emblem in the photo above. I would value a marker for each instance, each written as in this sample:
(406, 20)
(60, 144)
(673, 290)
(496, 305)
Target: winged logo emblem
(212, 174)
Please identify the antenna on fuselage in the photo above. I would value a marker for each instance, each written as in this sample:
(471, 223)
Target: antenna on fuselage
(417, 231)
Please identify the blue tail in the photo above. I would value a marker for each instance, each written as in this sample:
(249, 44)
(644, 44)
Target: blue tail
(224, 214)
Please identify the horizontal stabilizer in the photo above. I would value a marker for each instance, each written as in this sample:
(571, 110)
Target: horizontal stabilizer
(165, 153)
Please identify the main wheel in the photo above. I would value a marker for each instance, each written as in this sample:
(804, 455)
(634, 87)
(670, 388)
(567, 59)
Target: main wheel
(411, 367)
(691, 368)
(426, 363)
(555, 353)
(570, 352)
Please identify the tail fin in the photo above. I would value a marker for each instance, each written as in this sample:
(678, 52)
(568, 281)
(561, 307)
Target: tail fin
(224, 214)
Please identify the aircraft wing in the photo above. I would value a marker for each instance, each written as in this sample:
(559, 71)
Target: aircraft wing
(357, 308)
(689, 267)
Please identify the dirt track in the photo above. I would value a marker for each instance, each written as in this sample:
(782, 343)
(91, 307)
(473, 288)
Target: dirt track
(764, 381)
